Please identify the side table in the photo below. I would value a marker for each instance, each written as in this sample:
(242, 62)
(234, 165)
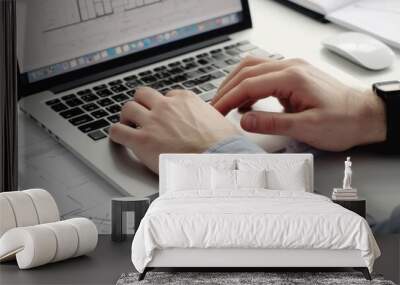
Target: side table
(357, 206)
(138, 205)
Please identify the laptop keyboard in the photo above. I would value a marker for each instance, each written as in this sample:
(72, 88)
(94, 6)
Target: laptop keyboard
(94, 110)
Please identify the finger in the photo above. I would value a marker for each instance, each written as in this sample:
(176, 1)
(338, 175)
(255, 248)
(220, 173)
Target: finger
(252, 71)
(148, 96)
(271, 123)
(133, 112)
(124, 134)
(276, 84)
(247, 61)
(247, 106)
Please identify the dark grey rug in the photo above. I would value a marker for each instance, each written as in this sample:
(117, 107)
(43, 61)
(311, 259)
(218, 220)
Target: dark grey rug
(243, 278)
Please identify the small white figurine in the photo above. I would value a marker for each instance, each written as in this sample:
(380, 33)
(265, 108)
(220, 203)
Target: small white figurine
(347, 174)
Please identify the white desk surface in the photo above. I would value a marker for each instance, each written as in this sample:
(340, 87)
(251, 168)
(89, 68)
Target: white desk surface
(81, 192)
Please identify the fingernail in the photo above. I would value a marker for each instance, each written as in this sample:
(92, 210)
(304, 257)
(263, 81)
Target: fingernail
(250, 122)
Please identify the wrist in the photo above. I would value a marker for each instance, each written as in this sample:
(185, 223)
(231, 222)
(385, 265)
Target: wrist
(372, 118)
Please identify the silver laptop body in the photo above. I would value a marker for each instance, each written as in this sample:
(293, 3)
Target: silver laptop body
(80, 60)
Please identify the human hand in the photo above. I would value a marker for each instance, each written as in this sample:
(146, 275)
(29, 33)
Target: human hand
(319, 110)
(179, 122)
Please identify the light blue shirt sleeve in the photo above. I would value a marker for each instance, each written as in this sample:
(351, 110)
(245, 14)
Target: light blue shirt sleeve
(235, 144)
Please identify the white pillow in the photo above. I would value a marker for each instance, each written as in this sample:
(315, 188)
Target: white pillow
(293, 180)
(285, 174)
(223, 179)
(251, 178)
(182, 177)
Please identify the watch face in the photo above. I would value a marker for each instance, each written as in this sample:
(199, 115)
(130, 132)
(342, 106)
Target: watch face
(388, 86)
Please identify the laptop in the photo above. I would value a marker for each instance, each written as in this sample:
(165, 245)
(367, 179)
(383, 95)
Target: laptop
(81, 60)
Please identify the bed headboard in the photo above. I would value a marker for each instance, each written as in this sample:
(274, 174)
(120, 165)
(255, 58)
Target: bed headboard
(216, 159)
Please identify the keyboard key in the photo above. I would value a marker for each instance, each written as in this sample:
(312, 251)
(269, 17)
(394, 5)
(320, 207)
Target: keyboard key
(232, 61)
(53, 101)
(149, 79)
(81, 120)
(90, 107)
(190, 65)
(97, 135)
(178, 78)
(175, 70)
(174, 64)
(134, 84)
(207, 87)
(246, 47)
(71, 113)
(118, 88)
(106, 130)
(189, 83)
(115, 82)
(131, 93)
(114, 118)
(177, 86)
(218, 50)
(114, 109)
(207, 96)
(157, 85)
(100, 124)
(219, 64)
(74, 102)
(203, 79)
(104, 93)
(160, 68)
(164, 91)
(229, 69)
(145, 73)
(202, 55)
(130, 78)
(84, 92)
(220, 56)
(203, 61)
(120, 97)
(59, 107)
(217, 74)
(105, 102)
(99, 114)
(68, 97)
(196, 90)
(99, 87)
(89, 97)
(206, 69)
(188, 59)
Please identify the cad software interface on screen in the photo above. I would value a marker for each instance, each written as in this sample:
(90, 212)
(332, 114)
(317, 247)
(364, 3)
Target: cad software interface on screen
(58, 36)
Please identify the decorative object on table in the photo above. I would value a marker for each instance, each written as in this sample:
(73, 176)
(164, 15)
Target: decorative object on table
(8, 98)
(248, 278)
(119, 209)
(347, 192)
(31, 231)
(358, 206)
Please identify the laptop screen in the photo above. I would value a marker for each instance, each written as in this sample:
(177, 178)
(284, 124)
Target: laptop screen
(60, 36)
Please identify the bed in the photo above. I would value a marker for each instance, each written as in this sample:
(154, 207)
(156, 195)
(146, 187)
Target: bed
(247, 211)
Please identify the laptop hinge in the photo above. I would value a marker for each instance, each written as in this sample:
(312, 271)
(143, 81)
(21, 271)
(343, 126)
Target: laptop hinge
(138, 64)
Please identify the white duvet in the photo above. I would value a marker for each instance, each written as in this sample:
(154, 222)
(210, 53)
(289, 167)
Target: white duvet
(250, 219)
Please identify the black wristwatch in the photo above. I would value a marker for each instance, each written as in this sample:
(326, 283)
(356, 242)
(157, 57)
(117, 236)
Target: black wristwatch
(389, 92)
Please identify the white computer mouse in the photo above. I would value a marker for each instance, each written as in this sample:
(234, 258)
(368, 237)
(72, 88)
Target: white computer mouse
(361, 49)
